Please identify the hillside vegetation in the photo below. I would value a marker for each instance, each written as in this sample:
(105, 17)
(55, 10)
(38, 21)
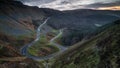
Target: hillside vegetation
(101, 51)
(19, 22)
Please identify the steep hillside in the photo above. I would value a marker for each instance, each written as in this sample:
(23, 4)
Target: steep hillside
(14, 13)
(20, 21)
(101, 51)
(80, 23)
(18, 24)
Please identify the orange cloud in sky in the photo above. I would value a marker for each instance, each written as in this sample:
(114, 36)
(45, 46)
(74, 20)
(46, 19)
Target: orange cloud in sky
(109, 8)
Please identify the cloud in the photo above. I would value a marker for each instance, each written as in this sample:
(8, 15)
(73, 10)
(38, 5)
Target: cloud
(98, 5)
(71, 4)
(36, 2)
(62, 5)
(109, 8)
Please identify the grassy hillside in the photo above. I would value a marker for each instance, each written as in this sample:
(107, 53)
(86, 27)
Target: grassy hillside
(42, 48)
(18, 24)
(101, 51)
(81, 22)
(17, 28)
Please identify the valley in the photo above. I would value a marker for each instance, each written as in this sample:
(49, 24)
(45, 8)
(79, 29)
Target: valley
(24, 49)
(33, 37)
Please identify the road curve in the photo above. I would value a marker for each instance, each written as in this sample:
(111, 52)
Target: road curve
(24, 49)
(61, 48)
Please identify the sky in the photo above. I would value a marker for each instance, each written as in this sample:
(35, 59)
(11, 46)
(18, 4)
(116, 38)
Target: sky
(74, 4)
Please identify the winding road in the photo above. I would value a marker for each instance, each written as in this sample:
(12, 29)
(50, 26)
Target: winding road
(24, 49)
(62, 48)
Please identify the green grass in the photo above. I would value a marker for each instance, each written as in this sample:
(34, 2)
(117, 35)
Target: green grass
(58, 40)
(86, 52)
(42, 46)
(34, 50)
(22, 37)
(55, 49)
(1, 47)
(87, 55)
(55, 31)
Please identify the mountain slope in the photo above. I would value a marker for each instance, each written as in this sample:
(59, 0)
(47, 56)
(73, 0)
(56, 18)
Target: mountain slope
(18, 20)
(18, 23)
(101, 51)
(80, 23)
(14, 13)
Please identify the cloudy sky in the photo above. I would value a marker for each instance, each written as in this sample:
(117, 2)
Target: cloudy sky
(74, 4)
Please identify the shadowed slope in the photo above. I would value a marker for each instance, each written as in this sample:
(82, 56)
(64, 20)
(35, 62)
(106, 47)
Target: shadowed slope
(100, 51)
